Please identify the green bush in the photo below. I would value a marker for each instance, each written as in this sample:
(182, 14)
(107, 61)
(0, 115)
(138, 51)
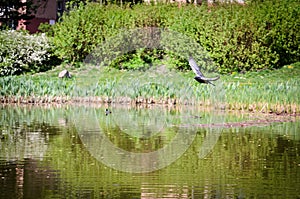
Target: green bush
(87, 26)
(46, 28)
(256, 36)
(243, 38)
(21, 52)
(83, 28)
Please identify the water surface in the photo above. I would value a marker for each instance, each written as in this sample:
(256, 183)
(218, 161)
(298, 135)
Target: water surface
(146, 152)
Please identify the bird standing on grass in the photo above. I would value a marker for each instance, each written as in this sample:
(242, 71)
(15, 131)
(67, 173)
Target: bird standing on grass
(199, 76)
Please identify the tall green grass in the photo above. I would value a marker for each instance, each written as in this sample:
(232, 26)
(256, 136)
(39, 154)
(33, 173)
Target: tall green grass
(275, 91)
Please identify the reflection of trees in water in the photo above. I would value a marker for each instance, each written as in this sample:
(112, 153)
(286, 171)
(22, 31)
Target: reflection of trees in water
(287, 149)
(256, 152)
(26, 179)
(108, 143)
(141, 129)
(242, 162)
(138, 130)
(26, 140)
(166, 191)
(139, 122)
(26, 133)
(136, 144)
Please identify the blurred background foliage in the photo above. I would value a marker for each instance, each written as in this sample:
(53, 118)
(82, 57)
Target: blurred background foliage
(238, 38)
(255, 36)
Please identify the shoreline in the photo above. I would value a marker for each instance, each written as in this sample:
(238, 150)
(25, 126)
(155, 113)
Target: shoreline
(258, 108)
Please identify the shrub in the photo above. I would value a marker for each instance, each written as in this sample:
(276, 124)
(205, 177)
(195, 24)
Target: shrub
(259, 35)
(278, 23)
(87, 26)
(46, 28)
(83, 28)
(21, 52)
(242, 38)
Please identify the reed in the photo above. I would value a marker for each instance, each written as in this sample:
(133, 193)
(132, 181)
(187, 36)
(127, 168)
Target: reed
(268, 93)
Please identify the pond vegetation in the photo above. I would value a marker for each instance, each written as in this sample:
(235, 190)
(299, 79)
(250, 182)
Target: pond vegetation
(275, 91)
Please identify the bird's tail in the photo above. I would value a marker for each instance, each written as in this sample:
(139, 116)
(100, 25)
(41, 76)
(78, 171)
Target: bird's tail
(210, 83)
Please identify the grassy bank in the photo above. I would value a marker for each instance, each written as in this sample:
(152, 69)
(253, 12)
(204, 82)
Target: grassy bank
(276, 91)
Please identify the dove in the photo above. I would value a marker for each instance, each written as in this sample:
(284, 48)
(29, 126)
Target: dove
(199, 76)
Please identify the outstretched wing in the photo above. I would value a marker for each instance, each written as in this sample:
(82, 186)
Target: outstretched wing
(195, 67)
(210, 78)
(197, 71)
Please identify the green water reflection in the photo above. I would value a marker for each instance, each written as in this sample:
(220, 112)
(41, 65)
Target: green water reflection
(47, 152)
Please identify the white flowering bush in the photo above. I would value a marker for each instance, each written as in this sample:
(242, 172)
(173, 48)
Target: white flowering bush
(21, 52)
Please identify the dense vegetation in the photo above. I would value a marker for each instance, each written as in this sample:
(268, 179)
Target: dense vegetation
(247, 39)
(21, 52)
(275, 92)
(260, 35)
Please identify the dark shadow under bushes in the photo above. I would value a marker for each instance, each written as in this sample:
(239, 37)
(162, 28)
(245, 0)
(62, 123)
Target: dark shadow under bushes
(256, 36)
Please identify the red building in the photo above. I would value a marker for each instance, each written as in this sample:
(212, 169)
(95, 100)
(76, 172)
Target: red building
(48, 11)
(29, 14)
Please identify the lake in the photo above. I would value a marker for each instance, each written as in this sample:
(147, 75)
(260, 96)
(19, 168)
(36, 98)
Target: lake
(155, 151)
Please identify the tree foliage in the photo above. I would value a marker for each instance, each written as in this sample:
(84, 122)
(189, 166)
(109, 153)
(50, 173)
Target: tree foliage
(256, 36)
(14, 10)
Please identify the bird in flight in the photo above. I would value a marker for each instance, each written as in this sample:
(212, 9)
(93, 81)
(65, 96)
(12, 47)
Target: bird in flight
(199, 76)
